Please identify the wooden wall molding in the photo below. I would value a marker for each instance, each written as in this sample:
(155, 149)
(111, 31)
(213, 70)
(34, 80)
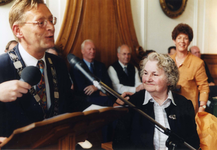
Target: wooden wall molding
(211, 60)
(108, 23)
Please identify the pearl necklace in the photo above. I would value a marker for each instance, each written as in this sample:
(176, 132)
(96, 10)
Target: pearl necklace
(178, 63)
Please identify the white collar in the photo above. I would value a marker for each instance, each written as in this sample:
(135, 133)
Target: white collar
(28, 59)
(148, 97)
(122, 65)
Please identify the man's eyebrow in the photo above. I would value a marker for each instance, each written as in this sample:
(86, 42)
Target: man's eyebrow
(43, 17)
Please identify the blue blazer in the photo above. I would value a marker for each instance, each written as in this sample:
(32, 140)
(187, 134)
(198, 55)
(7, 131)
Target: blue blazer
(26, 110)
(135, 131)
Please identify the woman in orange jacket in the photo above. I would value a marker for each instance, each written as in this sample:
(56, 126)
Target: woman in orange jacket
(193, 79)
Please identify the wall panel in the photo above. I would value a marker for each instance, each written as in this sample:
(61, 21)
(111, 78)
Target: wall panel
(211, 60)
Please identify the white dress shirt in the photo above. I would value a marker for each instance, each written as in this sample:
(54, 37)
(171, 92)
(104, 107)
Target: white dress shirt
(161, 117)
(120, 88)
(32, 61)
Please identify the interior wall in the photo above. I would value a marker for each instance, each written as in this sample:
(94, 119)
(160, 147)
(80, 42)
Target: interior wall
(153, 27)
(5, 30)
(157, 27)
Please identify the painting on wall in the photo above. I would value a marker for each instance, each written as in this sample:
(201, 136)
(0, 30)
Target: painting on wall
(173, 8)
(3, 2)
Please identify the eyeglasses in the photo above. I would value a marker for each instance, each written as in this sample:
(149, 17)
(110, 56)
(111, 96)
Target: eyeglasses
(43, 23)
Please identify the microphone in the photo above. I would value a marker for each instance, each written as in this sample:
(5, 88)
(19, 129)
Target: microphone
(31, 75)
(75, 62)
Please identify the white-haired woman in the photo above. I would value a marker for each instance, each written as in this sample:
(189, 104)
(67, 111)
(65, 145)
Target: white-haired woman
(134, 131)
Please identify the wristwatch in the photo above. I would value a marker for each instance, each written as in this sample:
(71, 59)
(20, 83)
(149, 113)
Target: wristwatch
(204, 106)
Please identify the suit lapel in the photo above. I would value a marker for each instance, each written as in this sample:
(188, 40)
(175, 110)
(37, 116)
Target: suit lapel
(85, 66)
(50, 82)
(172, 115)
(19, 56)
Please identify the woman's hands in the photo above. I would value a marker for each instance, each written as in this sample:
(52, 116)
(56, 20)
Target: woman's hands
(2, 139)
(124, 95)
(202, 106)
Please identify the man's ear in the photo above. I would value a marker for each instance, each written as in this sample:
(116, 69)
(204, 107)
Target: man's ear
(17, 32)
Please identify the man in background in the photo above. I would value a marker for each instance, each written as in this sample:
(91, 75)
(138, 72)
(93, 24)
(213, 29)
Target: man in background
(11, 44)
(53, 50)
(171, 50)
(196, 52)
(83, 88)
(124, 76)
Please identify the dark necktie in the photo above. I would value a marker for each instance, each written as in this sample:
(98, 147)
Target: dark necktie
(125, 70)
(92, 68)
(41, 86)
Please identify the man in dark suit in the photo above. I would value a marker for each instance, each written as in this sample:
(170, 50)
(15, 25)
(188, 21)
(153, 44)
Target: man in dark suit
(33, 25)
(83, 88)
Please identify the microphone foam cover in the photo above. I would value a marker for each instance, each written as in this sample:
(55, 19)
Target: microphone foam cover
(31, 75)
(72, 59)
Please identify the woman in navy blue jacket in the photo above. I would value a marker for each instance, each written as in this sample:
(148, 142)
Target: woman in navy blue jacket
(134, 131)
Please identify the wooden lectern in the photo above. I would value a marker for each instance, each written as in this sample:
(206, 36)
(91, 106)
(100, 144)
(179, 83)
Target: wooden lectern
(63, 131)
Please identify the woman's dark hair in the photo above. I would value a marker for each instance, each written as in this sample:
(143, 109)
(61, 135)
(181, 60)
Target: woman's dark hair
(182, 28)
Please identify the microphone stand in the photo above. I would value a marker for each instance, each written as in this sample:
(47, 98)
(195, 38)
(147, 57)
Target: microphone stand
(173, 138)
